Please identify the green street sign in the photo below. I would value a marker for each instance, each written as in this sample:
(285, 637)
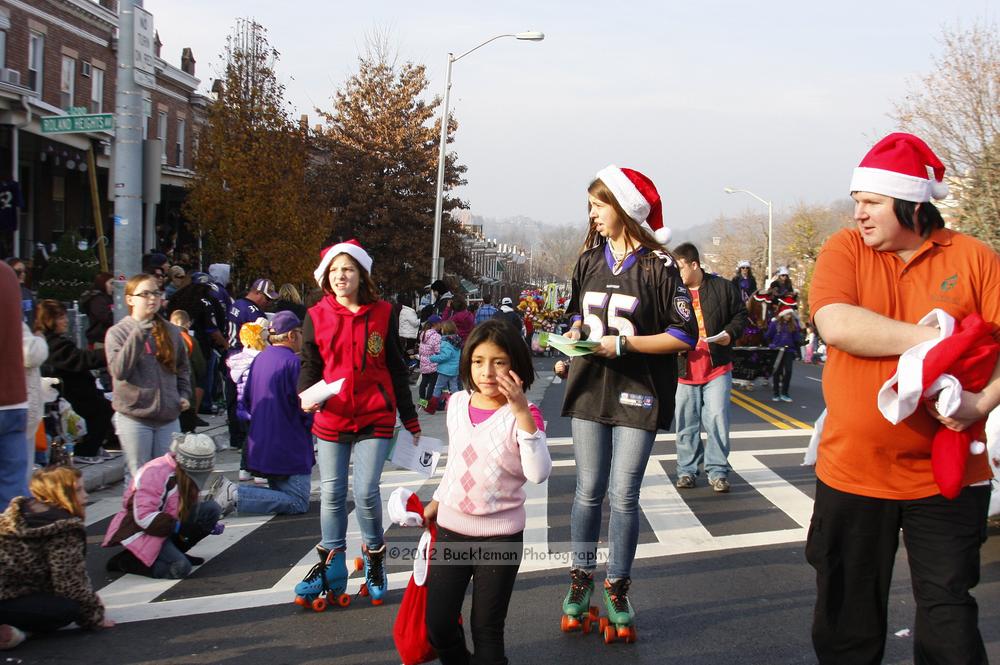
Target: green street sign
(64, 124)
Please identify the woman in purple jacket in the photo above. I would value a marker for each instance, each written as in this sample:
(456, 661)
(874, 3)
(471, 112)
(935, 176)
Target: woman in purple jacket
(785, 333)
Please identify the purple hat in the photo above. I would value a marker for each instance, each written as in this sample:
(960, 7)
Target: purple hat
(266, 287)
(433, 318)
(283, 322)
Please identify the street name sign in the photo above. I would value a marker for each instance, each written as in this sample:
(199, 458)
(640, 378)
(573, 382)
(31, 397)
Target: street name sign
(65, 124)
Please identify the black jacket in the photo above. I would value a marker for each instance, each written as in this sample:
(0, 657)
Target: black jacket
(72, 366)
(723, 308)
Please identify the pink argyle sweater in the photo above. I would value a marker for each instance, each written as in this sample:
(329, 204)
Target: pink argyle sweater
(481, 492)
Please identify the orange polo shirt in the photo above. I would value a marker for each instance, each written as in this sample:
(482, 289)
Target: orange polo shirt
(860, 451)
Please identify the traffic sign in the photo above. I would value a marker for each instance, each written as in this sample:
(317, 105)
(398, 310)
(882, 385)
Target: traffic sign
(143, 54)
(65, 124)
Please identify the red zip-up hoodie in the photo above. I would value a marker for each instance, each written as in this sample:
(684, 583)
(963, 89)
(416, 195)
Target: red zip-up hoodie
(363, 349)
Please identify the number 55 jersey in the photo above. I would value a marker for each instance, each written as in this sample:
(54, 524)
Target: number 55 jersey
(643, 296)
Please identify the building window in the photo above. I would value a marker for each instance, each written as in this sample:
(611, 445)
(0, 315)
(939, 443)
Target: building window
(67, 83)
(161, 133)
(3, 48)
(180, 143)
(36, 56)
(96, 90)
(147, 116)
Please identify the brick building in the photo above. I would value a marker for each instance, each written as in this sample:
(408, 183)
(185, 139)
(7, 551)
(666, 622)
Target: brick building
(57, 55)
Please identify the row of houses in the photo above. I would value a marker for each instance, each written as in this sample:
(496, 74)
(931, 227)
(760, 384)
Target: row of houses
(58, 57)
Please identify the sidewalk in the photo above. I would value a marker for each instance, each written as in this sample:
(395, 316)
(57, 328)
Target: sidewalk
(111, 472)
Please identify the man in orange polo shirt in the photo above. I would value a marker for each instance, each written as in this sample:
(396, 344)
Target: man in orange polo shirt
(871, 285)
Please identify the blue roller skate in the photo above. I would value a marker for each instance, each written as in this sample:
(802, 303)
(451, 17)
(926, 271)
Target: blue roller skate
(325, 583)
(373, 563)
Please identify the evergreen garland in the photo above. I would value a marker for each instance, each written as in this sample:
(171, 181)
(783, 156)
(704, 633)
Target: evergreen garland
(70, 271)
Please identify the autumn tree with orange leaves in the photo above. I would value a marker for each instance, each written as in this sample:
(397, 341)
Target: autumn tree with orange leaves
(378, 168)
(250, 195)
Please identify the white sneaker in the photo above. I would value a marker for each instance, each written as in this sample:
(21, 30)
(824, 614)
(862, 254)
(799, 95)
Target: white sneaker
(224, 492)
(245, 475)
(257, 480)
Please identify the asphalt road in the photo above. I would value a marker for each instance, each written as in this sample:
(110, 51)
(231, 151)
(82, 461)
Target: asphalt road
(718, 578)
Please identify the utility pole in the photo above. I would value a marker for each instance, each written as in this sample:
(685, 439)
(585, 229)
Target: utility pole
(127, 177)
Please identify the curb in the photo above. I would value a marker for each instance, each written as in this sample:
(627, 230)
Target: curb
(96, 476)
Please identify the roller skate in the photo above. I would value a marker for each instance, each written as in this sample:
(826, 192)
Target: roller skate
(373, 563)
(325, 583)
(578, 613)
(619, 624)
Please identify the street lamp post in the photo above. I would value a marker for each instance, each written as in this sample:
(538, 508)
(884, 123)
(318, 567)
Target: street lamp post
(730, 190)
(437, 267)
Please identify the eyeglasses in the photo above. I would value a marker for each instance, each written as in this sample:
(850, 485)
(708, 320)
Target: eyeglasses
(19, 271)
(149, 295)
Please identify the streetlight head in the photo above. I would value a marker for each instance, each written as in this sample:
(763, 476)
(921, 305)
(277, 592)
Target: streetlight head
(531, 36)
(729, 190)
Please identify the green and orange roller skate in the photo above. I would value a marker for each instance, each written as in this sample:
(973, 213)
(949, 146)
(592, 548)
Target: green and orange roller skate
(620, 622)
(326, 583)
(578, 613)
(373, 563)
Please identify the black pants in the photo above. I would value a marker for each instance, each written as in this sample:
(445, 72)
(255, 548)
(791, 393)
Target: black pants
(427, 382)
(852, 545)
(39, 612)
(492, 564)
(783, 373)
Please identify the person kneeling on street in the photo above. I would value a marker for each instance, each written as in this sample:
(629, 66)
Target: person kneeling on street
(161, 517)
(42, 538)
(279, 443)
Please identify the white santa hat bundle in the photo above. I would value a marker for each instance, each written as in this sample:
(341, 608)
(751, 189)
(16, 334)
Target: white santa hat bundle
(350, 247)
(897, 166)
(404, 508)
(637, 196)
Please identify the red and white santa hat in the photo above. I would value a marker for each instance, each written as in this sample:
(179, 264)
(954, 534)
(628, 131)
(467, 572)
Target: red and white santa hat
(898, 166)
(786, 310)
(405, 508)
(637, 196)
(350, 247)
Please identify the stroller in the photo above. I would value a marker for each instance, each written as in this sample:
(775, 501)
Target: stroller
(63, 427)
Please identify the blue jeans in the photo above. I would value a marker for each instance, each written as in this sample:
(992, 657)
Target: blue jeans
(610, 460)
(13, 455)
(703, 406)
(171, 563)
(142, 441)
(288, 495)
(445, 382)
(333, 459)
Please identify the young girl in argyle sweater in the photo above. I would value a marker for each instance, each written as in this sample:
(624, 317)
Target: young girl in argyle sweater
(496, 443)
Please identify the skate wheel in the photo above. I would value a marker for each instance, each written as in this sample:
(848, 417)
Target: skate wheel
(609, 634)
(319, 604)
(631, 637)
(588, 624)
(568, 623)
(623, 631)
(343, 600)
(359, 564)
(602, 624)
(594, 613)
(363, 591)
(377, 601)
(301, 602)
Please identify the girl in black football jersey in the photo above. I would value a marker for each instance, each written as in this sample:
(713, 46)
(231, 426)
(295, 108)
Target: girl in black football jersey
(628, 296)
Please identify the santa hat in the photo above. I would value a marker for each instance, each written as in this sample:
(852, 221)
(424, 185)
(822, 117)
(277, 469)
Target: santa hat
(786, 310)
(637, 196)
(350, 247)
(898, 167)
(405, 508)
(788, 301)
(762, 296)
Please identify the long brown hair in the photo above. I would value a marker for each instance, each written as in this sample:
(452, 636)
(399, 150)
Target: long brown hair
(636, 235)
(47, 315)
(367, 291)
(165, 352)
(56, 486)
(187, 492)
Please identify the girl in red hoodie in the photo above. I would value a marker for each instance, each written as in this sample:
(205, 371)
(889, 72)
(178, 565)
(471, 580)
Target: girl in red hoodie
(351, 334)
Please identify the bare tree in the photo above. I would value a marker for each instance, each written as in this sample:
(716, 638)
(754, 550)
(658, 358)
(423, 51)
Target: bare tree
(956, 109)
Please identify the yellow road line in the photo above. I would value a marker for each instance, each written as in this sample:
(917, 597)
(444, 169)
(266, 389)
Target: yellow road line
(757, 412)
(751, 404)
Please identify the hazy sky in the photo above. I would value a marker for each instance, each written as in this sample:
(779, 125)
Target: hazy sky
(782, 98)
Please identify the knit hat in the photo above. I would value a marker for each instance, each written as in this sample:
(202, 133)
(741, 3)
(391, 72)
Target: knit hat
(637, 196)
(195, 453)
(743, 264)
(506, 301)
(782, 271)
(898, 167)
(283, 322)
(433, 318)
(350, 247)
